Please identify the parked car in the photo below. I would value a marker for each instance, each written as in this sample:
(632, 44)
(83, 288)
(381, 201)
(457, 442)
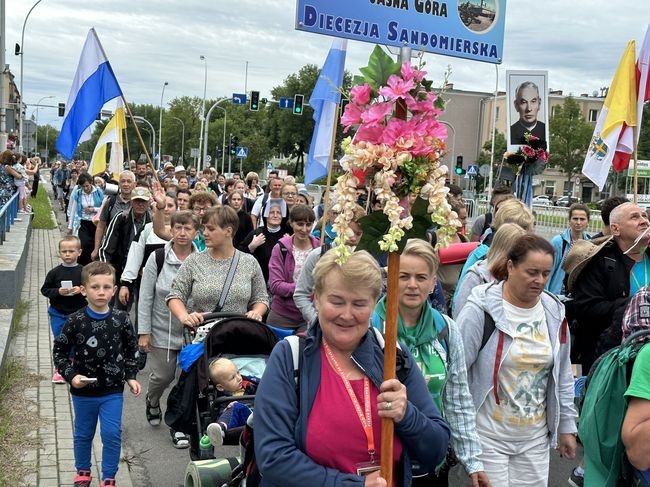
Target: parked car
(542, 200)
(567, 201)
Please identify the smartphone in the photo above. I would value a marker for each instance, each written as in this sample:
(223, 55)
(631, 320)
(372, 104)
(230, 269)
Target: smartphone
(66, 284)
(89, 380)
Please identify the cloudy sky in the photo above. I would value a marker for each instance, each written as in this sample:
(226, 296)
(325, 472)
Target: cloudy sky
(149, 42)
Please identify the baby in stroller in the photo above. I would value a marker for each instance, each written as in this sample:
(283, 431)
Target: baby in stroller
(228, 381)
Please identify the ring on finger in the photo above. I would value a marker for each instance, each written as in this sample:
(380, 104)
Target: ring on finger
(389, 405)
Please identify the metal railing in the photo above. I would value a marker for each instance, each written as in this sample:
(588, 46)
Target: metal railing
(549, 220)
(8, 215)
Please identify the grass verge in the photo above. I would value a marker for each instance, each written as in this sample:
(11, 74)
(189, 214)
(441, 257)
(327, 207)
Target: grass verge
(42, 210)
(19, 421)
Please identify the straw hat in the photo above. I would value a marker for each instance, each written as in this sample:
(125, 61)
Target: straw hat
(579, 255)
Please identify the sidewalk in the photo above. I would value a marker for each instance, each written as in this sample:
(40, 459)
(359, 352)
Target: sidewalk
(53, 463)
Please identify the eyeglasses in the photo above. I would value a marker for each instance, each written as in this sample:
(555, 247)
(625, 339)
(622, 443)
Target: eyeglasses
(289, 194)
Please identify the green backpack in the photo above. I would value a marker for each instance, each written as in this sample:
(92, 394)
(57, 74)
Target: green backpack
(602, 413)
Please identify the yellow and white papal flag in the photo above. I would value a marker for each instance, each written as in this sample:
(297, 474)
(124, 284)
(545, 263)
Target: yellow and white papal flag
(112, 134)
(620, 106)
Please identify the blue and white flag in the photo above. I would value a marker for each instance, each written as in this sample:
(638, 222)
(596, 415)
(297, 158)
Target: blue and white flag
(94, 84)
(324, 98)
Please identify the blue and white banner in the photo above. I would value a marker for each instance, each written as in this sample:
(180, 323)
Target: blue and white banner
(471, 29)
(94, 84)
(324, 98)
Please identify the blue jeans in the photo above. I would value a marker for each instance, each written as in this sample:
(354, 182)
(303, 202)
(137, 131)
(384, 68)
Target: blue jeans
(108, 409)
(57, 320)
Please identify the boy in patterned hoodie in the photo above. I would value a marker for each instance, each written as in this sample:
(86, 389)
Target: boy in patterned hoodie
(105, 348)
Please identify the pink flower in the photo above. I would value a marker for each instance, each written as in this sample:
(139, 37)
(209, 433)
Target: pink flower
(411, 73)
(369, 133)
(528, 151)
(376, 113)
(360, 94)
(351, 116)
(542, 155)
(397, 88)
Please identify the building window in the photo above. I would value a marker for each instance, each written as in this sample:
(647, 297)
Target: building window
(549, 188)
(553, 110)
(593, 115)
(497, 114)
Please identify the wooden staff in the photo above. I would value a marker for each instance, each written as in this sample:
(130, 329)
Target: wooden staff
(137, 132)
(390, 346)
(328, 183)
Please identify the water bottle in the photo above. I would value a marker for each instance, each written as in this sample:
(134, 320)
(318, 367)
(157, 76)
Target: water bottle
(206, 451)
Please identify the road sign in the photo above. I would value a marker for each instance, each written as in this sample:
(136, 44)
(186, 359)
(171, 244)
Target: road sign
(472, 170)
(208, 158)
(269, 166)
(194, 152)
(286, 103)
(470, 29)
(484, 170)
(577, 180)
(242, 152)
(239, 98)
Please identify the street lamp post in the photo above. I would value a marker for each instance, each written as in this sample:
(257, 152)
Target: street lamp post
(22, 96)
(453, 152)
(160, 125)
(205, 86)
(207, 123)
(38, 105)
(182, 158)
(138, 118)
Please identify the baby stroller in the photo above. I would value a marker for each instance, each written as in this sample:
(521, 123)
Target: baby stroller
(193, 402)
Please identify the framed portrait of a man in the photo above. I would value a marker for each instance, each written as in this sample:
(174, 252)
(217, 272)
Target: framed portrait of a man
(527, 106)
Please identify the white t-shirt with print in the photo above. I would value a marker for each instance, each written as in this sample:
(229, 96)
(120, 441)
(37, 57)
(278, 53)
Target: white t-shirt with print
(522, 380)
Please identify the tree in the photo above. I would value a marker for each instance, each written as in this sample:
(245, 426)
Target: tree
(47, 135)
(485, 157)
(570, 138)
(290, 134)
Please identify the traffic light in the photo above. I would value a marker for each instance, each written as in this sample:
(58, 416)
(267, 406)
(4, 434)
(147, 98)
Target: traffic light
(234, 143)
(297, 104)
(219, 152)
(255, 101)
(459, 165)
(61, 109)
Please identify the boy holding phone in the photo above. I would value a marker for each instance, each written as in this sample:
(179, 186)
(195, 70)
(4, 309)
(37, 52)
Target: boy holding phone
(62, 288)
(105, 349)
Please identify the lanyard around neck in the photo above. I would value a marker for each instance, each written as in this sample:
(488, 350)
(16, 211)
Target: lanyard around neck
(364, 417)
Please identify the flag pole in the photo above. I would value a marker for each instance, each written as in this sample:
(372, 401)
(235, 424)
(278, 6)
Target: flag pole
(328, 183)
(636, 172)
(137, 132)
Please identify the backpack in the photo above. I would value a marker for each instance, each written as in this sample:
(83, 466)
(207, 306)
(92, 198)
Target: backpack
(602, 413)
(486, 223)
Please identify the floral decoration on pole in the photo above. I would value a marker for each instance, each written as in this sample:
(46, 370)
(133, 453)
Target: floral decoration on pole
(529, 160)
(399, 157)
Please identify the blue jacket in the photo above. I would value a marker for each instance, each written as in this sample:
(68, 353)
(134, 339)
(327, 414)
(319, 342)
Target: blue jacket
(561, 244)
(281, 417)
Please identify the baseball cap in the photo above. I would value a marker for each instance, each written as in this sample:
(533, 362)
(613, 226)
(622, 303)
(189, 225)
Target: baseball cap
(141, 193)
(179, 168)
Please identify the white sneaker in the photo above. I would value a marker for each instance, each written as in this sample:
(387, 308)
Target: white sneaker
(215, 433)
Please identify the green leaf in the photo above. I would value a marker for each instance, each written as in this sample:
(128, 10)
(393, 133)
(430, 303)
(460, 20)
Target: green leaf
(380, 67)
(439, 103)
(358, 80)
(421, 222)
(374, 226)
